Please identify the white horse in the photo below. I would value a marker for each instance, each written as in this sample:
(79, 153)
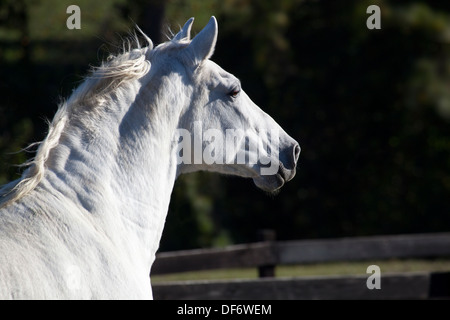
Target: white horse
(86, 217)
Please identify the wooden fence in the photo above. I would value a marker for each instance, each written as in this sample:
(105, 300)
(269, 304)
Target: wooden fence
(266, 255)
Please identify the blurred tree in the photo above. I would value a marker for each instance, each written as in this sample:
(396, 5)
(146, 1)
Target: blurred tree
(148, 15)
(369, 108)
(14, 132)
(14, 17)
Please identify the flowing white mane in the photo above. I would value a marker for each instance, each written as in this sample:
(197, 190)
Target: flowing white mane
(131, 63)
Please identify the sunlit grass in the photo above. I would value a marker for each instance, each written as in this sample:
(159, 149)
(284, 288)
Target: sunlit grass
(326, 269)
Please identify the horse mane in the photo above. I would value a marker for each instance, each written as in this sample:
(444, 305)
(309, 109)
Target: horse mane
(130, 64)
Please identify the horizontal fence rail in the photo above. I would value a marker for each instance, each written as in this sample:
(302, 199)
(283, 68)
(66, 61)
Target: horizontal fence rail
(417, 285)
(267, 254)
(305, 251)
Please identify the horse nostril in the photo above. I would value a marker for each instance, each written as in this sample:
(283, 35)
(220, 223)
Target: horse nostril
(297, 150)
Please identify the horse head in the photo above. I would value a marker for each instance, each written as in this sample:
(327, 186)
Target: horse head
(220, 128)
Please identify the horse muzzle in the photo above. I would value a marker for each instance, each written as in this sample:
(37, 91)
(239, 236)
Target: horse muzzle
(287, 164)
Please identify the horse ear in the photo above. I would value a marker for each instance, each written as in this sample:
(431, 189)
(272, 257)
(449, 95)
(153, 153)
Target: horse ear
(185, 32)
(202, 46)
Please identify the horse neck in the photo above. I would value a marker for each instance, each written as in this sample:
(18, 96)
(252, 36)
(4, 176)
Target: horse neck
(119, 171)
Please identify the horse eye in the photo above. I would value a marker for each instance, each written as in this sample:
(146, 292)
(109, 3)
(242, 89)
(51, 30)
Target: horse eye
(234, 93)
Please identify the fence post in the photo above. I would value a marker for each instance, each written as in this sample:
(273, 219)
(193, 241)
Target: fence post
(266, 235)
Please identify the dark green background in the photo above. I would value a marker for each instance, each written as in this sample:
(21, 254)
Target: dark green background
(370, 108)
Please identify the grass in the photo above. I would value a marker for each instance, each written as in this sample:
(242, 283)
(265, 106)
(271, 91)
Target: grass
(325, 269)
